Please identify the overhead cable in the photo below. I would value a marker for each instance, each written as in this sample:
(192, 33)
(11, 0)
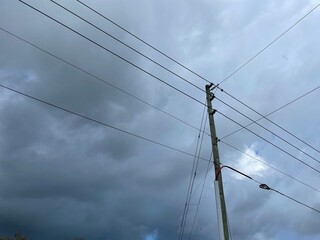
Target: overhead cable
(128, 46)
(128, 60)
(284, 140)
(203, 178)
(143, 41)
(113, 53)
(97, 121)
(200, 198)
(276, 110)
(100, 79)
(193, 175)
(175, 61)
(270, 166)
(179, 63)
(266, 187)
(295, 200)
(268, 45)
(266, 140)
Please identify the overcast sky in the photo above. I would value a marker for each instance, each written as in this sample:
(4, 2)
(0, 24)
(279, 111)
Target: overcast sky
(62, 176)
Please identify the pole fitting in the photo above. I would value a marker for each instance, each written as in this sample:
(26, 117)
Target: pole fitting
(211, 86)
(208, 86)
(264, 186)
(213, 111)
(212, 96)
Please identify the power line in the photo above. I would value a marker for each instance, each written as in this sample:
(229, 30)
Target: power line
(143, 41)
(203, 178)
(193, 175)
(110, 51)
(187, 202)
(201, 193)
(276, 123)
(292, 145)
(266, 187)
(271, 43)
(128, 46)
(199, 152)
(133, 35)
(108, 19)
(165, 68)
(100, 79)
(133, 135)
(285, 105)
(98, 122)
(238, 69)
(113, 53)
(286, 152)
(265, 117)
(201, 131)
(179, 63)
(295, 200)
(270, 166)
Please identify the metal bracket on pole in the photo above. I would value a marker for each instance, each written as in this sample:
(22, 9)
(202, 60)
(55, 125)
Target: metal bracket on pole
(211, 96)
(264, 186)
(210, 86)
(213, 111)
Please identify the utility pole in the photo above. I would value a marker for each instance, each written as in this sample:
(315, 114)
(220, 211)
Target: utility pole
(220, 203)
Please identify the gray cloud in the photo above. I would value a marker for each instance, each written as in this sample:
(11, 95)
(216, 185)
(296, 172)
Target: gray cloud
(63, 177)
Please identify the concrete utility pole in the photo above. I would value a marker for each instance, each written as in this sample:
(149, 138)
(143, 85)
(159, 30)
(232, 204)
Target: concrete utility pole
(220, 203)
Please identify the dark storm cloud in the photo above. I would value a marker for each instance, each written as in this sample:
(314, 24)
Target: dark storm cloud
(72, 176)
(63, 177)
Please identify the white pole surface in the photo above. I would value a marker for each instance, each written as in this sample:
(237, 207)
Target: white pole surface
(219, 211)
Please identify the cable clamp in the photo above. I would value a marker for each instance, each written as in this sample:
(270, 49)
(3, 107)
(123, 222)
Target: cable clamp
(264, 186)
(213, 111)
(209, 86)
(213, 86)
(212, 96)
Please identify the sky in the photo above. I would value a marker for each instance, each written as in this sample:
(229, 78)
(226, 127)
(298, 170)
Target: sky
(63, 176)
